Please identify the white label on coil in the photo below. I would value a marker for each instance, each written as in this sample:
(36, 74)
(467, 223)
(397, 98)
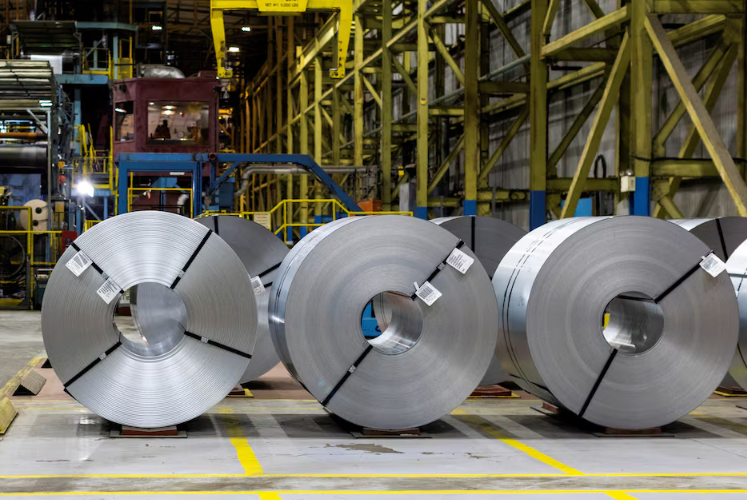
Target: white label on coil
(713, 265)
(109, 291)
(428, 293)
(79, 263)
(460, 261)
(259, 288)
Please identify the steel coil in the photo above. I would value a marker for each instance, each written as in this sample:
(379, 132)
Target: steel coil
(737, 269)
(671, 332)
(133, 383)
(261, 252)
(429, 359)
(490, 239)
(722, 235)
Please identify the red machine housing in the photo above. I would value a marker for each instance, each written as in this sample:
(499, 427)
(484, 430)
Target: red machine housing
(138, 101)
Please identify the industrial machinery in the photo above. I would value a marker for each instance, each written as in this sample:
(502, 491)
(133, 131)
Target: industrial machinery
(283, 8)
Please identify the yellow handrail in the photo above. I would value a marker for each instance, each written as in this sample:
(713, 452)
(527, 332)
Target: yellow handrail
(285, 204)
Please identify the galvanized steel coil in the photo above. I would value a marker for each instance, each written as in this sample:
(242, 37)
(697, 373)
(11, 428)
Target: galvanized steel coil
(723, 235)
(490, 239)
(736, 266)
(672, 326)
(261, 252)
(133, 383)
(429, 359)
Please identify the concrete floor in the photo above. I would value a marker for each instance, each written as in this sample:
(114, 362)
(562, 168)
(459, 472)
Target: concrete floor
(292, 449)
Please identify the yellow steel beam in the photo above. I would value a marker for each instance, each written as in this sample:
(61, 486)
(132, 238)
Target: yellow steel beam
(405, 74)
(446, 164)
(573, 131)
(500, 23)
(594, 8)
(600, 25)
(444, 51)
(713, 91)
(679, 111)
(699, 6)
(504, 87)
(607, 104)
(371, 90)
(563, 185)
(493, 160)
(686, 168)
(537, 115)
(699, 114)
(386, 107)
(552, 11)
(422, 153)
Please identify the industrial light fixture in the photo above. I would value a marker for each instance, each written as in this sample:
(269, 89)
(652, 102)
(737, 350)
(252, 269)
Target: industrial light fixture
(45, 103)
(246, 29)
(234, 49)
(169, 107)
(168, 113)
(157, 27)
(85, 188)
(120, 110)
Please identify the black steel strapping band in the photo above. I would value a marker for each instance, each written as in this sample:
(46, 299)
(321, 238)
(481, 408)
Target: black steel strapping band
(268, 285)
(94, 363)
(597, 383)
(215, 223)
(93, 264)
(192, 258)
(723, 241)
(440, 267)
(265, 273)
(218, 345)
(677, 283)
(347, 375)
(474, 221)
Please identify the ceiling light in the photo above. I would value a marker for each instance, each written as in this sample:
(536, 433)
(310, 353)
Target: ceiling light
(120, 110)
(234, 49)
(157, 27)
(246, 29)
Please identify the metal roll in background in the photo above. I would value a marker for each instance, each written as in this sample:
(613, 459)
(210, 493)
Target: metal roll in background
(736, 267)
(722, 235)
(261, 252)
(672, 326)
(138, 384)
(429, 359)
(490, 239)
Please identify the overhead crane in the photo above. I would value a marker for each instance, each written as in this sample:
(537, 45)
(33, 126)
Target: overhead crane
(281, 8)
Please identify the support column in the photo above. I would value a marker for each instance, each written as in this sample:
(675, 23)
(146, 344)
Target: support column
(538, 119)
(641, 120)
(290, 57)
(471, 106)
(386, 108)
(318, 153)
(421, 211)
(358, 97)
(304, 148)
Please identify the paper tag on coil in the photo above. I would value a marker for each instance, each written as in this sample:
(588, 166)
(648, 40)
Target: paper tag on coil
(713, 265)
(109, 291)
(428, 293)
(258, 286)
(460, 261)
(79, 263)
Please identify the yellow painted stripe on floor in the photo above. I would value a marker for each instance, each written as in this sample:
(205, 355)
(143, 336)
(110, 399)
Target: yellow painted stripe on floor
(244, 452)
(619, 495)
(12, 384)
(487, 428)
(277, 494)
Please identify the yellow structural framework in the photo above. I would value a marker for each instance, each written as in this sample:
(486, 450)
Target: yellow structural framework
(282, 8)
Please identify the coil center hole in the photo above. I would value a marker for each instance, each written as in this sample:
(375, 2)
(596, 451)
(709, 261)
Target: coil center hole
(392, 323)
(632, 323)
(154, 328)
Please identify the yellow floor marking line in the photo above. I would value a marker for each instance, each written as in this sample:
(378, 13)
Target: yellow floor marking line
(244, 452)
(720, 422)
(13, 383)
(276, 495)
(487, 428)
